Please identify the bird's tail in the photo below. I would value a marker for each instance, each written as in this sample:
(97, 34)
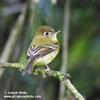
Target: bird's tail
(29, 68)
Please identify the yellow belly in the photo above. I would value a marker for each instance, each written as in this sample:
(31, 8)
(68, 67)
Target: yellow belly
(46, 59)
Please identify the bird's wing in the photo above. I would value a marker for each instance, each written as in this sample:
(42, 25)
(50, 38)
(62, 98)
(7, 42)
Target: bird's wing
(38, 51)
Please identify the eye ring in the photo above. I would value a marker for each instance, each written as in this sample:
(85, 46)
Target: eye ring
(46, 33)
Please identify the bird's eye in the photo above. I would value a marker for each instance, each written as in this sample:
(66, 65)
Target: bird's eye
(46, 33)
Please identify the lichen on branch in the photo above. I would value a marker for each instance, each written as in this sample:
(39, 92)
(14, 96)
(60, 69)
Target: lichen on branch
(57, 74)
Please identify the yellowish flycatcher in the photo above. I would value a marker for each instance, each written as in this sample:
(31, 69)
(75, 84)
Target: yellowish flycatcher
(43, 48)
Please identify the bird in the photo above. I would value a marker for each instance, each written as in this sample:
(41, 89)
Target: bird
(43, 48)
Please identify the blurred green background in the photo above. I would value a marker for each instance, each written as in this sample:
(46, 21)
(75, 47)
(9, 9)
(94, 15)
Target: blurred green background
(83, 46)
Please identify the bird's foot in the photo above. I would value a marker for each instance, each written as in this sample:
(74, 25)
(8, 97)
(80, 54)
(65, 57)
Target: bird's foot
(47, 67)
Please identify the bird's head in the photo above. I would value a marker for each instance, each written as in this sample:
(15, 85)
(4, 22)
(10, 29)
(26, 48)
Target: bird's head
(46, 32)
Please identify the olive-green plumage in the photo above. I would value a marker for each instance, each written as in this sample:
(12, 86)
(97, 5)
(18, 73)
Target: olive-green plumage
(43, 48)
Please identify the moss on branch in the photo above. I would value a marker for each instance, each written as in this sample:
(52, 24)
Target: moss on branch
(57, 74)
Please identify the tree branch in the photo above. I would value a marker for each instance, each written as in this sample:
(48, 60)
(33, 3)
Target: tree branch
(65, 47)
(57, 74)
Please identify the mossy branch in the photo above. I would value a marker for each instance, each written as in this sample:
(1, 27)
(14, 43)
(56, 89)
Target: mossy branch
(57, 74)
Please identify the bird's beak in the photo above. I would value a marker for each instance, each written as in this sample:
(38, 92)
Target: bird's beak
(56, 32)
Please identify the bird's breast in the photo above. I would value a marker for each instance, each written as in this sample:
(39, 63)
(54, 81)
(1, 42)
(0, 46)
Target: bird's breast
(46, 59)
